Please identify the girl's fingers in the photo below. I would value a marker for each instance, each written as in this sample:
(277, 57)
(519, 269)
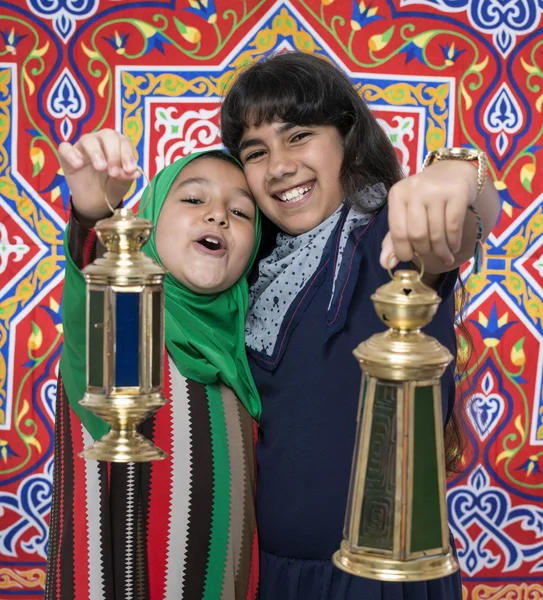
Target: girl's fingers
(397, 224)
(418, 228)
(387, 250)
(89, 145)
(110, 142)
(70, 154)
(108, 151)
(437, 231)
(128, 158)
(454, 225)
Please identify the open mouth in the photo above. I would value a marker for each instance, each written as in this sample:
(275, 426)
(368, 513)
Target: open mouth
(295, 194)
(211, 244)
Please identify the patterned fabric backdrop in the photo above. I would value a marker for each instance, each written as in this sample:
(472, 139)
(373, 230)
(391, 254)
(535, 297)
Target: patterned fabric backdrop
(436, 73)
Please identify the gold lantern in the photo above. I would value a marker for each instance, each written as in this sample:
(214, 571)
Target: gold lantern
(396, 520)
(125, 339)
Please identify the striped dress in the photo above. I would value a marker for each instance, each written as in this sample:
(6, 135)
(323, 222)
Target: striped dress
(178, 529)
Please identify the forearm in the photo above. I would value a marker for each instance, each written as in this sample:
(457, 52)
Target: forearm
(83, 244)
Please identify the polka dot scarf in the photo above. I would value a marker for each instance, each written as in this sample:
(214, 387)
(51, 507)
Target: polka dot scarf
(291, 265)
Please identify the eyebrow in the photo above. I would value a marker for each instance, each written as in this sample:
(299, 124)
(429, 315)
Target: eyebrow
(206, 182)
(251, 142)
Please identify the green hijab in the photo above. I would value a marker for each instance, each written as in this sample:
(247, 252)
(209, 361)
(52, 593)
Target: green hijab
(204, 332)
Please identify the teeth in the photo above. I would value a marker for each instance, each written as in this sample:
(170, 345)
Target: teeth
(294, 194)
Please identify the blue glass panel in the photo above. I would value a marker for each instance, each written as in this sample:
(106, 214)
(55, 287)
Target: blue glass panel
(127, 363)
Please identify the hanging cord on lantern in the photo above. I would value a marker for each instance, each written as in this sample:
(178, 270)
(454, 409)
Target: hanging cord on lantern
(393, 257)
(149, 186)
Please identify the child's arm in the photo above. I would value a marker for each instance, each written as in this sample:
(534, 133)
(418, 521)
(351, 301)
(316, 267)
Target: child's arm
(428, 213)
(92, 165)
(98, 164)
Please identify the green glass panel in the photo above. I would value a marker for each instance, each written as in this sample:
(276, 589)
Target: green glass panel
(426, 523)
(377, 519)
(348, 513)
(96, 339)
(156, 338)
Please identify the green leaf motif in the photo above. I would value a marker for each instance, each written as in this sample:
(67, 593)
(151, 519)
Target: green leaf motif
(181, 27)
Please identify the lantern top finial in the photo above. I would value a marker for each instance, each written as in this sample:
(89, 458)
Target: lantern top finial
(404, 353)
(405, 303)
(123, 231)
(123, 235)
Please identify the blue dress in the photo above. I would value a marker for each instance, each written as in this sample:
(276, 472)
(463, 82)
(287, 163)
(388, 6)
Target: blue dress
(310, 395)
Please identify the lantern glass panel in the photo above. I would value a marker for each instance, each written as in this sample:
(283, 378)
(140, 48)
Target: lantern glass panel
(157, 339)
(377, 518)
(426, 516)
(127, 339)
(95, 362)
(356, 457)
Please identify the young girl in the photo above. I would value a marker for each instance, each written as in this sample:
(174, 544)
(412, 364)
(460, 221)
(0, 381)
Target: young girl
(324, 173)
(183, 527)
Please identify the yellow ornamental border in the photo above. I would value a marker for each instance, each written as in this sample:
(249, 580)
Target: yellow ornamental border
(420, 94)
(21, 578)
(171, 85)
(510, 591)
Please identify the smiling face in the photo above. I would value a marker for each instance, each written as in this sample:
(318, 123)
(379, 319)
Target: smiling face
(206, 229)
(294, 172)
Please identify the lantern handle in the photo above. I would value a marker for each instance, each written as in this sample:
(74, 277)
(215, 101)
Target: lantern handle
(392, 256)
(148, 184)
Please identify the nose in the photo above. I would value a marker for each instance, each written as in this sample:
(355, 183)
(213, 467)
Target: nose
(280, 164)
(217, 214)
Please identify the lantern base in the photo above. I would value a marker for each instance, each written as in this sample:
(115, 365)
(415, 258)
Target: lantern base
(122, 447)
(382, 568)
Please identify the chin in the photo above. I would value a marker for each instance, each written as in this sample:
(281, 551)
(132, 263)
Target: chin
(207, 287)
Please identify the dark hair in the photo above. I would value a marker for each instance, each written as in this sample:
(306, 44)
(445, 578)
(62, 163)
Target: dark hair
(305, 89)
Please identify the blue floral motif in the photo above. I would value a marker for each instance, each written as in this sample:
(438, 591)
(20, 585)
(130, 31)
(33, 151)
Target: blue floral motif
(451, 53)
(63, 13)
(204, 9)
(485, 407)
(11, 40)
(493, 329)
(117, 41)
(32, 504)
(363, 15)
(503, 117)
(503, 20)
(490, 508)
(530, 466)
(66, 101)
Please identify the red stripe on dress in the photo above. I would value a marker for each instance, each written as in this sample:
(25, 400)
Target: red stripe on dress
(81, 541)
(159, 497)
(252, 588)
(88, 246)
(60, 458)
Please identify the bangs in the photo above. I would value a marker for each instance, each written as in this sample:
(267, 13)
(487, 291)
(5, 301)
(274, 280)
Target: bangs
(279, 91)
(280, 100)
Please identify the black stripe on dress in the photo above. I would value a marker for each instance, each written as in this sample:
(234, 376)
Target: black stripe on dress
(201, 493)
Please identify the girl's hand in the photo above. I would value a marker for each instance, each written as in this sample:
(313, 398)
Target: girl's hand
(428, 214)
(99, 163)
